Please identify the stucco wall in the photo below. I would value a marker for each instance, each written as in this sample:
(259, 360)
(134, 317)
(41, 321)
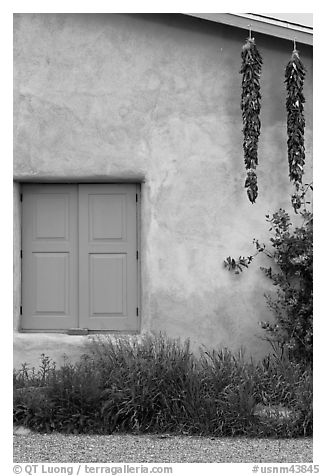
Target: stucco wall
(156, 99)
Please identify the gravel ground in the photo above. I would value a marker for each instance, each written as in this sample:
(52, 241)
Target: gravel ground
(58, 448)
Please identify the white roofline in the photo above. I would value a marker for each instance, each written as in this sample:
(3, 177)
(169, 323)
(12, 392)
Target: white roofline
(262, 24)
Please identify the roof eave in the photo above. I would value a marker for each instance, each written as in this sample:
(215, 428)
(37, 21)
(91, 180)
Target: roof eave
(261, 24)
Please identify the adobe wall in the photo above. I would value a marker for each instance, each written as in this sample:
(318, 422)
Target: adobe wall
(155, 99)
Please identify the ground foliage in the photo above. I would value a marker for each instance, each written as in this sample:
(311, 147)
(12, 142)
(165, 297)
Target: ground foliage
(157, 385)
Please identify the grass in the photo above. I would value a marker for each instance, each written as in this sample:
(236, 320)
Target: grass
(157, 385)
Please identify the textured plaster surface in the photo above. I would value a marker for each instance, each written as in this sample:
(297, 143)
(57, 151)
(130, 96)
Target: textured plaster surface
(29, 347)
(155, 98)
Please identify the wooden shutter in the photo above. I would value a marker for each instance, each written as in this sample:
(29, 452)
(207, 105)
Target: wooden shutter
(49, 250)
(107, 257)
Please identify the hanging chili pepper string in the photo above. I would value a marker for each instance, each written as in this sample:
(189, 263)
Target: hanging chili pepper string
(250, 106)
(294, 79)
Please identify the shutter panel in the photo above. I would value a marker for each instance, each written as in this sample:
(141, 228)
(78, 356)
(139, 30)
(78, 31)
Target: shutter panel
(107, 257)
(49, 266)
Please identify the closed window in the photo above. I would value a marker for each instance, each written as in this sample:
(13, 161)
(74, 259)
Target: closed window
(79, 257)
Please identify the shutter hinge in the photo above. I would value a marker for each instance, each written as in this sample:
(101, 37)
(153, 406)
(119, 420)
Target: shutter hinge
(136, 197)
(21, 254)
(21, 310)
(137, 254)
(137, 311)
(21, 197)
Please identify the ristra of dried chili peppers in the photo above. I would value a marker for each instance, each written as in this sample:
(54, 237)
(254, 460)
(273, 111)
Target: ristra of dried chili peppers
(294, 79)
(250, 106)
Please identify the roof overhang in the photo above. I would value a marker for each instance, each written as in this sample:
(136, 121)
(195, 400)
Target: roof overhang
(262, 24)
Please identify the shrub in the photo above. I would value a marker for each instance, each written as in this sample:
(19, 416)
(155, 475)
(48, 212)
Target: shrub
(293, 304)
(63, 399)
(159, 385)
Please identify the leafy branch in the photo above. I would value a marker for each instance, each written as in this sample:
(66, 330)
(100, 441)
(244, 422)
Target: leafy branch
(280, 224)
(237, 265)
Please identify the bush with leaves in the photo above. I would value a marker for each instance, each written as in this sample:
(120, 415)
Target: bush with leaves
(293, 304)
(292, 253)
(158, 385)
